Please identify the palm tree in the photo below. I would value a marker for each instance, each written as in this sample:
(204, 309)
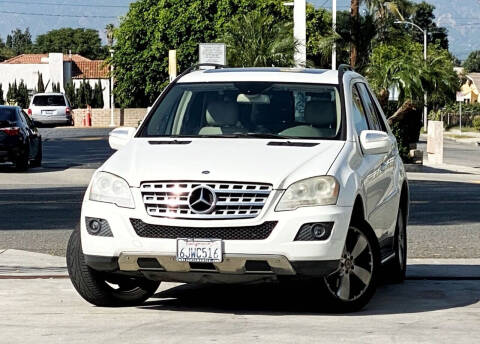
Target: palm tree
(110, 28)
(256, 40)
(354, 12)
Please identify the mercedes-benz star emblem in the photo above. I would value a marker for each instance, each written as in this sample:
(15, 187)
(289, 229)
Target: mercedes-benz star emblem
(202, 199)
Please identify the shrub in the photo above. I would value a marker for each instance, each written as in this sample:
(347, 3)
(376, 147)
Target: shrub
(476, 122)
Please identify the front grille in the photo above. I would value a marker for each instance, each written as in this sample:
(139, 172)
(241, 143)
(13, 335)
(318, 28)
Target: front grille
(259, 232)
(234, 200)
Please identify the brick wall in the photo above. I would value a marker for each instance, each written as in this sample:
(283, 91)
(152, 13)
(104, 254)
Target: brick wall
(101, 117)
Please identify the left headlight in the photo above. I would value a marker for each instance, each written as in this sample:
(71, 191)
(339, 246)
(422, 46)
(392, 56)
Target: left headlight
(109, 188)
(309, 192)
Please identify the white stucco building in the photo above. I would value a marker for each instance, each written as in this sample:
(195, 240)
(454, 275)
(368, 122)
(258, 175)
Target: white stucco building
(55, 68)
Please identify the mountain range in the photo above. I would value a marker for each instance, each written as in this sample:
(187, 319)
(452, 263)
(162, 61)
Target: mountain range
(460, 17)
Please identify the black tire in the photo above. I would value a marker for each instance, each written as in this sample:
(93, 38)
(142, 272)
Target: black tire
(353, 284)
(396, 268)
(93, 287)
(37, 162)
(22, 162)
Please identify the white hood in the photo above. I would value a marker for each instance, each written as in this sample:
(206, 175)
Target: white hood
(226, 159)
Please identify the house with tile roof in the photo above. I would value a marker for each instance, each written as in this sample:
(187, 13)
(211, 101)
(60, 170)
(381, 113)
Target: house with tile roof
(55, 68)
(471, 88)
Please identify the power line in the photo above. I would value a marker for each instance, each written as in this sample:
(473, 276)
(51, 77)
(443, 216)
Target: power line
(61, 4)
(57, 15)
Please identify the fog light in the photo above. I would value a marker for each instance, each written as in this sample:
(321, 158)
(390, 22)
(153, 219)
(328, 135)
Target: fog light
(95, 226)
(318, 231)
(98, 227)
(314, 231)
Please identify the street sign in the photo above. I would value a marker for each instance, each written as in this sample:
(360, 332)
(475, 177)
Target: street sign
(461, 97)
(215, 53)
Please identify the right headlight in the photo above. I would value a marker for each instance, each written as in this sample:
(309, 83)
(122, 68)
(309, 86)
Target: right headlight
(109, 188)
(309, 192)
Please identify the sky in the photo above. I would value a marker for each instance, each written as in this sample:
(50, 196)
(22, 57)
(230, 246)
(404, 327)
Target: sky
(460, 17)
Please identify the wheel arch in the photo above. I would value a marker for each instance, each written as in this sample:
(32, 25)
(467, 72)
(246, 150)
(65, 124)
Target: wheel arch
(359, 217)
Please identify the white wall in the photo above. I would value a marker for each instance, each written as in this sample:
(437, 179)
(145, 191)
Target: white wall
(55, 66)
(28, 72)
(93, 82)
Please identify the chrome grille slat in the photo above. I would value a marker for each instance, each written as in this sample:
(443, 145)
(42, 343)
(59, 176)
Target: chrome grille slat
(234, 200)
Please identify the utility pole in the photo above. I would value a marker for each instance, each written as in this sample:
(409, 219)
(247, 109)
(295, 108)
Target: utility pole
(300, 32)
(112, 99)
(334, 27)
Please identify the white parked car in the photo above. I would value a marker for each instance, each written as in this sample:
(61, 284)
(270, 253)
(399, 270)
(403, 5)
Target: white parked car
(50, 109)
(244, 175)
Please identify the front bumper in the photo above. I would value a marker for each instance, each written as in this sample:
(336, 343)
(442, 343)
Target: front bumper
(233, 268)
(283, 254)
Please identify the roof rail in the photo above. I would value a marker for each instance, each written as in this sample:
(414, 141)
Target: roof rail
(198, 65)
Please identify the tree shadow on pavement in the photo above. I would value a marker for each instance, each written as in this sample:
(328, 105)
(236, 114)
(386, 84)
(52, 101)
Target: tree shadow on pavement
(414, 296)
(443, 203)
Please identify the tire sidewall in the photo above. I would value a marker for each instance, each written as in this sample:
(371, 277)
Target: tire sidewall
(335, 304)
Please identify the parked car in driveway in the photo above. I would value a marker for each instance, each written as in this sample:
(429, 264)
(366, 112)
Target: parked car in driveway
(241, 175)
(20, 141)
(50, 109)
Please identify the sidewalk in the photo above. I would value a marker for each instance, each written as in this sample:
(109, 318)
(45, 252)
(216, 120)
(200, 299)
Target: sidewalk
(439, 303)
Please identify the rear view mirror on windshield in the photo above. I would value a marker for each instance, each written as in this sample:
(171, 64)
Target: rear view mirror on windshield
(253, 98)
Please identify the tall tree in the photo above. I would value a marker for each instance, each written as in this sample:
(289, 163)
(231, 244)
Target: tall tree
(472, 63)
(2, 101)
(70, 93)
(40, 84)
(151, 28)
(97, 97)
(354, 13)
(20, 42)
(110, 29)
(258, 40)
(85, 42)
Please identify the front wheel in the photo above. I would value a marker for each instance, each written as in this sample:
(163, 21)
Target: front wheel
(102, 289)
(353, 284)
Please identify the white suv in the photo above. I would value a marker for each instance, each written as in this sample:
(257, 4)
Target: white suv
(243, 175)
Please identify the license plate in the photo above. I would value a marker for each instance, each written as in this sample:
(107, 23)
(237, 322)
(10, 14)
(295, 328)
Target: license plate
(48, 112)
(199, 250)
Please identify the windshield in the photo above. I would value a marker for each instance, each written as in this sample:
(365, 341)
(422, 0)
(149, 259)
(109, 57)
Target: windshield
(49, 101)
(247, 109)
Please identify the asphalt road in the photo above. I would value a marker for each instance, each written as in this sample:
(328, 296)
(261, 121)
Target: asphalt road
(39, 208)
(457, 153)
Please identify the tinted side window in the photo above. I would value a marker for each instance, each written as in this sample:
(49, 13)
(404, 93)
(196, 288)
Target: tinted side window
(377, 111)
(359, 116)
(28, 120)
(370, 108)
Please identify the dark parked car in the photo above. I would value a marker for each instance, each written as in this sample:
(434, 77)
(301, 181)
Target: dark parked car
(20, 141)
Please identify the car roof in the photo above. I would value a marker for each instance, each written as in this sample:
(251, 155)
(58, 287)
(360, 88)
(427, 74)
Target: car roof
(273, 74)
(49, 94)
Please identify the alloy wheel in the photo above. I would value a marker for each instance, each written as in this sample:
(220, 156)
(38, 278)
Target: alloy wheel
(354, 274)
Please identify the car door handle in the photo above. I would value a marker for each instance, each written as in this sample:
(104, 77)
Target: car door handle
(383, 166)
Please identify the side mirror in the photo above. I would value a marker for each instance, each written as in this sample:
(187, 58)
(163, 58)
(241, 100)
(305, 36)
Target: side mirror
(119, 137)
(375, 142)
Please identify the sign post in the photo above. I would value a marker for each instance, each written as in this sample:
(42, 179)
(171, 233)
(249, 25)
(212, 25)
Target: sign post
(461, 98)
(172, 64)
(214, 53)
